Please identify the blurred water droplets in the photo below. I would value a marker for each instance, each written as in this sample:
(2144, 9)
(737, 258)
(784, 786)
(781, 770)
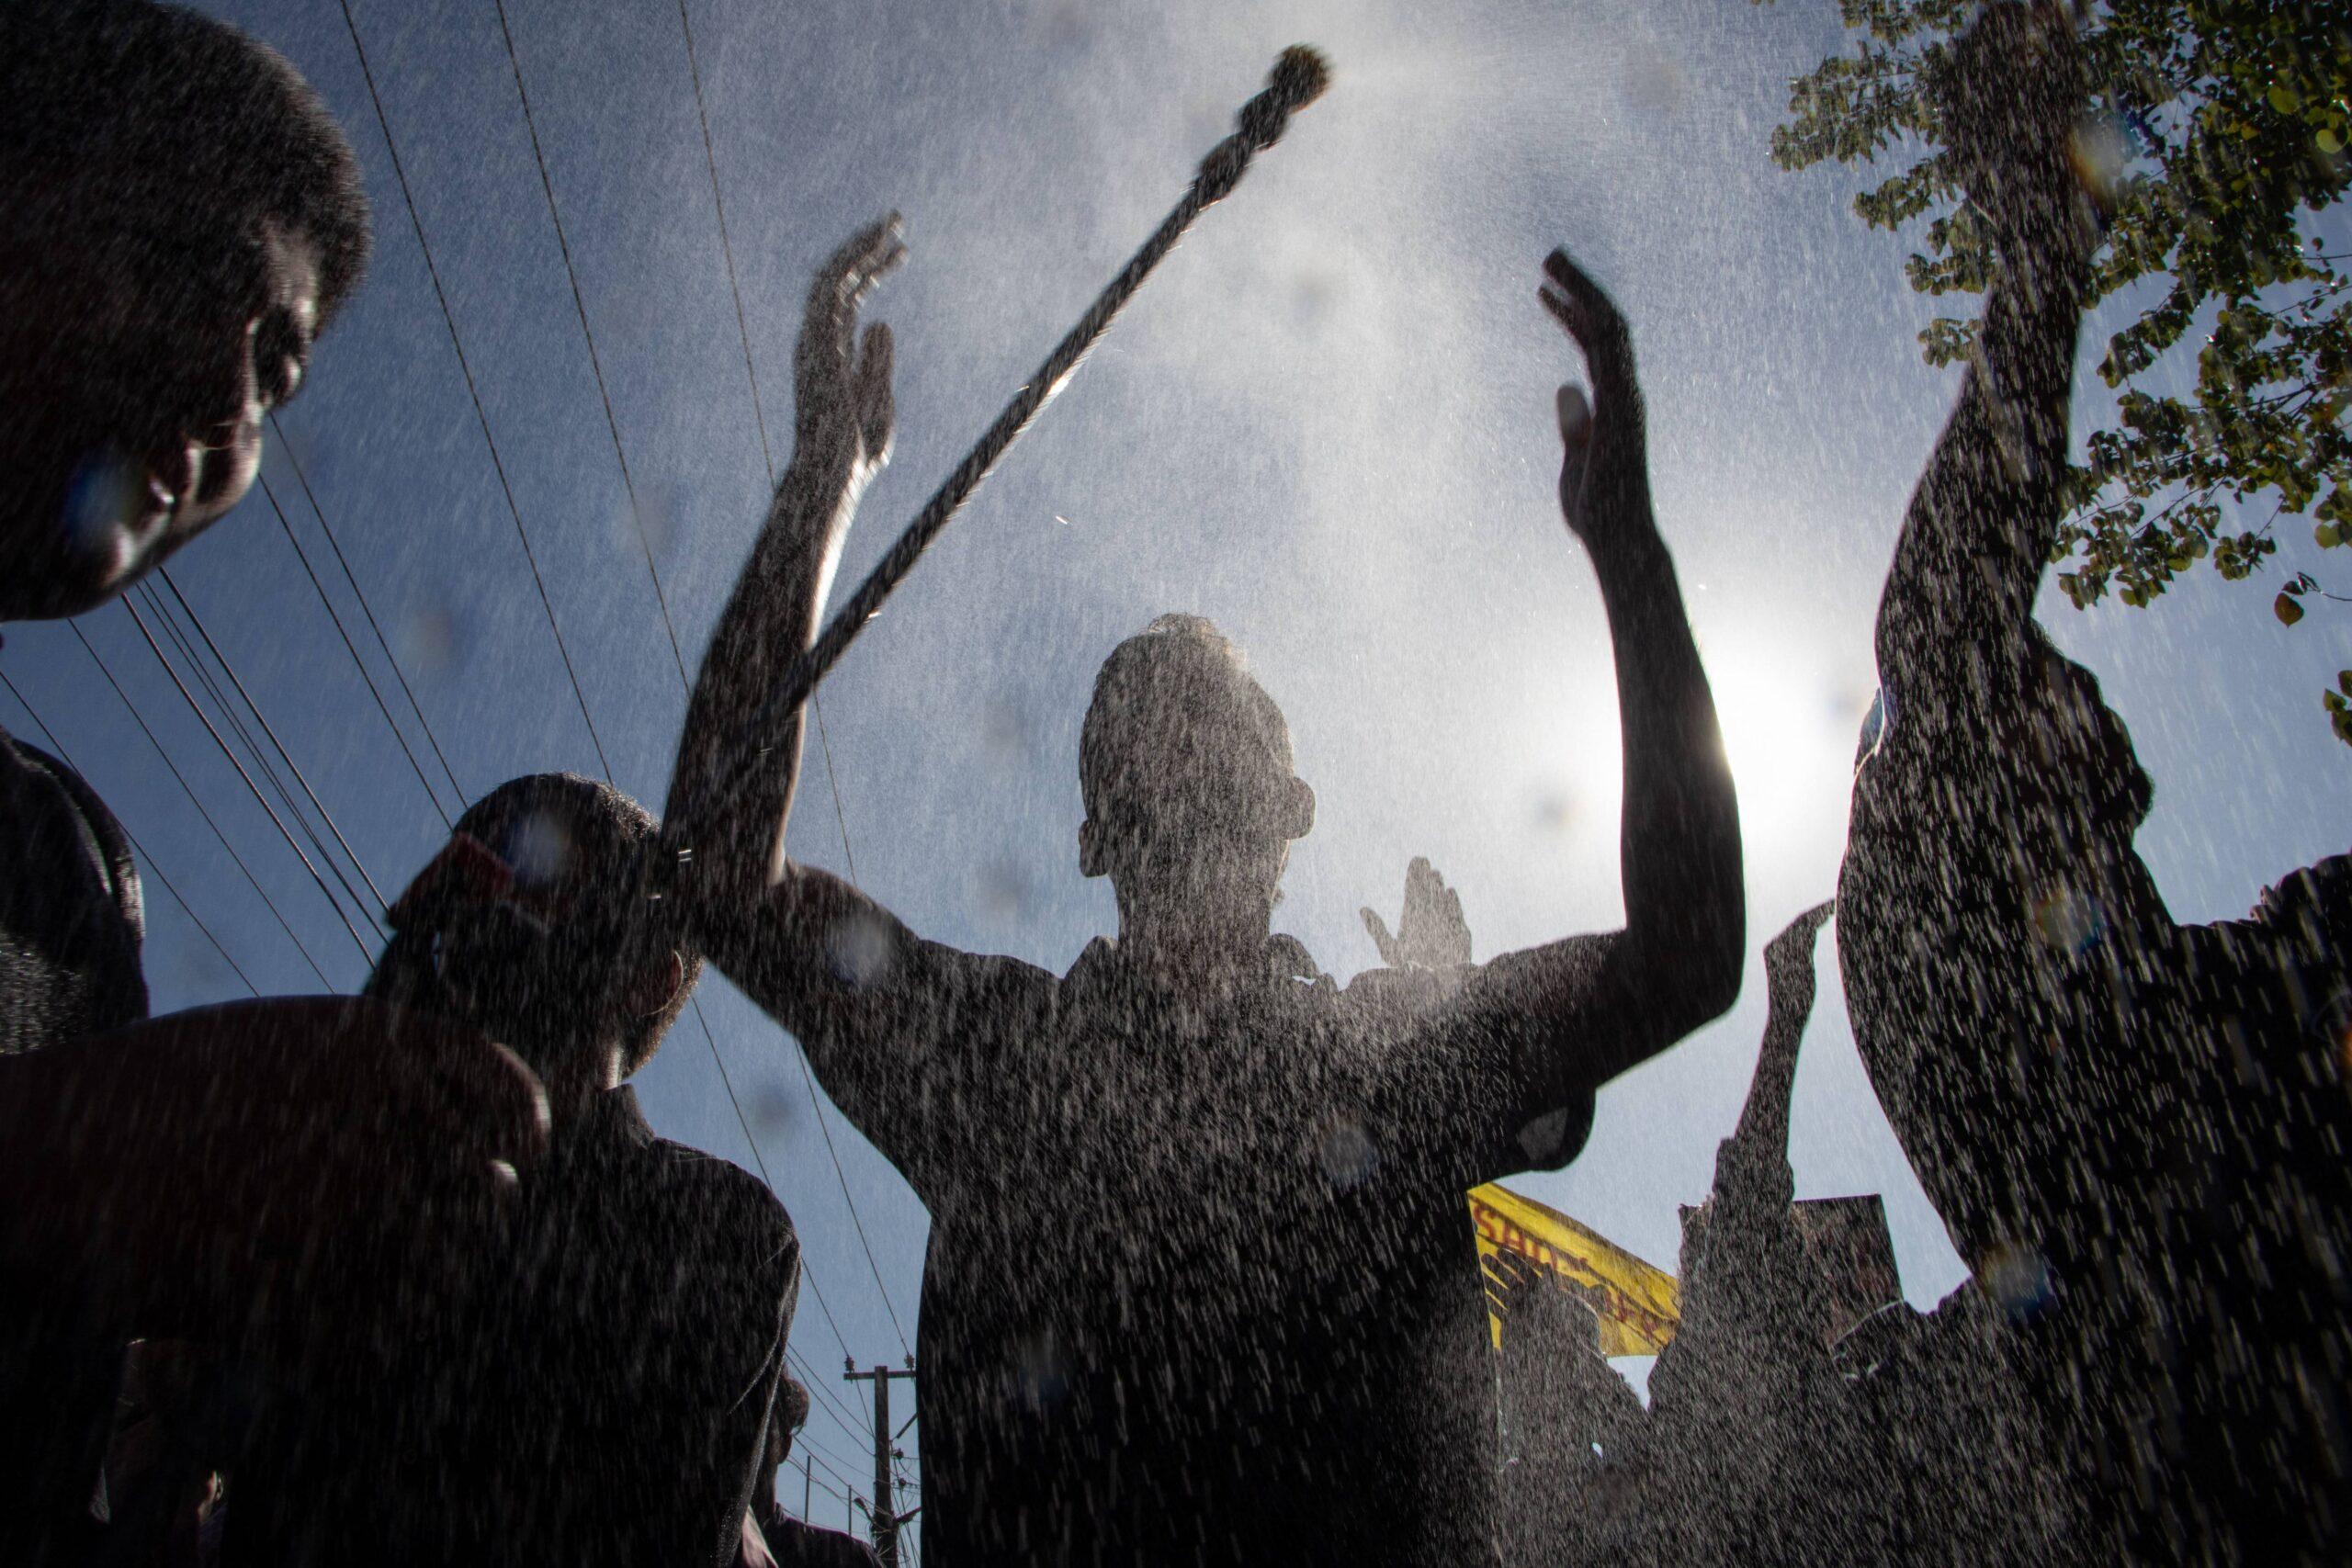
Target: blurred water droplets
(1005, 889)
(857, 950)
(1005, 734)
(1555, 810)
(1653, 82)
(655, 519)
(427, 640)
(2069, 920)
(771, 1107)
(1348, 1154)
(1040, 1372)
(538, 850)
(2017, 1278)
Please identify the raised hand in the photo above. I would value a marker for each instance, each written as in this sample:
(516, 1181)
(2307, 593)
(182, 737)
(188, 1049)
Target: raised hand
(1600, 445)
(1431, 932)
(1513, 1282)
(843, 415)
(1788, 958)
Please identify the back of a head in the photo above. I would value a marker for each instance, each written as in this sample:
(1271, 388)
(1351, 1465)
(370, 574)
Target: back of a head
(1179, 732)
(571, 846)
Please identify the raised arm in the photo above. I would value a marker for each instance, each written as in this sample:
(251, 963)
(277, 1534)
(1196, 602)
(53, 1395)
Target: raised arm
(1522, 1044)
(1986, 514)
(1679, 840)
(876, 1008)
(842, 434)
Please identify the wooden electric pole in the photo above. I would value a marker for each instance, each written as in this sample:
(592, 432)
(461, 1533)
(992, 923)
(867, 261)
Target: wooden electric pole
(885, 1516)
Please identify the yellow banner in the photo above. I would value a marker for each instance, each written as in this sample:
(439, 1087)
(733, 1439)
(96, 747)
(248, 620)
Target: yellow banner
(1637, 1303)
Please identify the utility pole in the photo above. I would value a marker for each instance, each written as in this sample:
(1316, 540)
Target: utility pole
(885, 1516)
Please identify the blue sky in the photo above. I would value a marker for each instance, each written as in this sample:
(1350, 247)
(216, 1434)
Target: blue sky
(1326, 424)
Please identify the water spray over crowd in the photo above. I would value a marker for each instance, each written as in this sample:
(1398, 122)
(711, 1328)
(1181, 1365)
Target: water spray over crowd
(436, 433)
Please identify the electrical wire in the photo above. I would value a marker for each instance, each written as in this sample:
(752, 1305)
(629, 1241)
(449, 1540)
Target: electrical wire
(279, 746)
(137, 848)
(596, 362)
(205, 678)
(629, 486)
(190, 789)
(449, 319)
(366, 955)
(824, 740)
(349, 647)
(285, 449)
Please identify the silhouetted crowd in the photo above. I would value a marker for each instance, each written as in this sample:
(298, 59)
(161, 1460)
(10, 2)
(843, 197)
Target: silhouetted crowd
(407, 1277)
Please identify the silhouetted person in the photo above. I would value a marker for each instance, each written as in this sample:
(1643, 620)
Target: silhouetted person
(2136, 1129)
(1758, 1455)
(774, 1539)
(1200, 1285)
(1574, 1488)
(598, 1391)
(178, 217)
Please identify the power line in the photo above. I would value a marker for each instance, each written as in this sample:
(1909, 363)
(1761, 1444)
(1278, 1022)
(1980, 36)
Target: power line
(450, 320)
(629, 486)
(195, 801)
(292, 766)
(726, 248)
(139, 849)
(831, 1460)
(195, 707)
(212, 688)
(620, 457)
(595, 363)
(839, 1175)
(352, 648)
(285, 450)
(824, 740)
(817, 1385)
(761, 1160)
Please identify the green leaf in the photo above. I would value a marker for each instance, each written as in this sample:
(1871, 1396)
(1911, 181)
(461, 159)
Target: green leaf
(2230, 360)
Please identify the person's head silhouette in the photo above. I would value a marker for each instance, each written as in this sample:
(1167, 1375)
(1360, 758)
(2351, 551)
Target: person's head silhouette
(521, 927)
(1184, 763)
(179, 217)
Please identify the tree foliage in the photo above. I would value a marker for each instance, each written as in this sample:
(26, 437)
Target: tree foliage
(2218, 150)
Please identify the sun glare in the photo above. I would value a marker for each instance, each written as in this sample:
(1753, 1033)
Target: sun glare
(1789, 732)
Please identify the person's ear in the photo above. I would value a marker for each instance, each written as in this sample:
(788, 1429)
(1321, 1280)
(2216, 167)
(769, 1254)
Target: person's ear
(1089, 850)
(1302, 810)
(655, 985)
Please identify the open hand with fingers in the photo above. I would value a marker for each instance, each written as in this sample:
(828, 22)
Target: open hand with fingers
(1600, 437)
(1513, 1282)
(843, 414)
(1430, 931)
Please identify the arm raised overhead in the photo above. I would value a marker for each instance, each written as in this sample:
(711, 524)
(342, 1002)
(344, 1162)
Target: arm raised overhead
(1535, 1032)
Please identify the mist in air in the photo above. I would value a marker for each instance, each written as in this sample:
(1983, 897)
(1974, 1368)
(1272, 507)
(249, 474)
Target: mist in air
(1326, 424)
